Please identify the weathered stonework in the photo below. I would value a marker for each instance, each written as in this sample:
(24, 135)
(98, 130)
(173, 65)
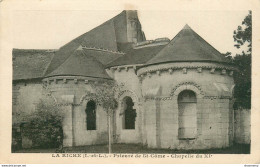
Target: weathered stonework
(75, 131)
(128, 135)
(161, 108)
(131, 88)
(179, 96)
(242, 126)
(26, 94)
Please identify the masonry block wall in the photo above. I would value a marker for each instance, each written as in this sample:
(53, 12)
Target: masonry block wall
(76, 132)
(242, 126)
(26, 95)
(128, 78)
(214, 117)
(131, 88)
(214, 123)
(155, 97)
(134, 28)
(149, 137)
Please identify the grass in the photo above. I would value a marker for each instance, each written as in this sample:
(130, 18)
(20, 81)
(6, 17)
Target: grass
(136, 148)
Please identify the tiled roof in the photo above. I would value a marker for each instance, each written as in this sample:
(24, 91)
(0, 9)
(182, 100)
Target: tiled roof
(107, 36)
(81, 63)
(90, 53)
(105, 57)
(102, 37)
(30, 64)
(136, 56)
(187, 45)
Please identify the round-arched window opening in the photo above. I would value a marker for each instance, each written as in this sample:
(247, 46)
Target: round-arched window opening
(129, 115)
(187, 106)
(187, 96)
(91, 115)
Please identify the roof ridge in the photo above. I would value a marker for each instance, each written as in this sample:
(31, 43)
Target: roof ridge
(198, 42)
(112, 19)
(108, 65)
(60, 64)
(186, 27)
(170, 43)
(69, 48)
(101, 49)
(174, 38)
(203, 40)
(136, 56)
(199, 49)
(93, 58)
(46, 68)
(88, 58)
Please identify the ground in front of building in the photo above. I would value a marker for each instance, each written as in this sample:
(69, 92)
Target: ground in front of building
(136, 148)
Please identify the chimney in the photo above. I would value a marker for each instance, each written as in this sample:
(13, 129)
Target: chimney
(134, 28)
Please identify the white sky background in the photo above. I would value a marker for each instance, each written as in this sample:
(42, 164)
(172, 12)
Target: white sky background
(52, 29)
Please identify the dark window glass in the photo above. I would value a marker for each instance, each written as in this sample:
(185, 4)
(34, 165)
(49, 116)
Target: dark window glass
(91, 115)
(129, 114)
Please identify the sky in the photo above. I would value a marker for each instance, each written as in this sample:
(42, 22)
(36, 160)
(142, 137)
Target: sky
(52, 29)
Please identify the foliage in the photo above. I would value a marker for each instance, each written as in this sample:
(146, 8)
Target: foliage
(228, 56)
(18, 116)
(44, 126)
(242, 91)
(243, 36)
(105, 95)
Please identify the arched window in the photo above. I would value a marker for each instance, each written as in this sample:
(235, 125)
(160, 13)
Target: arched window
(91, 115)
(129, 113)
(187, 105)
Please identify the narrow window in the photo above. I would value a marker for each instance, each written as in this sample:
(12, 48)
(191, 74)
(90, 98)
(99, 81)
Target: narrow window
(129, 114)
(91, 115)
(187, 105)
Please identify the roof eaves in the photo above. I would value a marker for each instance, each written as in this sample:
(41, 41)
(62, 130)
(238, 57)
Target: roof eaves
(210, 61)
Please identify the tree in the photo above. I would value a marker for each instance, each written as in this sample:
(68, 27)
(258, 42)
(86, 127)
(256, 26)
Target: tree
(243, 36)
(106, 96)
(228, 56)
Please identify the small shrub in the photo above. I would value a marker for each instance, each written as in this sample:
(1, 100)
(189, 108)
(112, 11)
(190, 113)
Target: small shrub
(44, 126)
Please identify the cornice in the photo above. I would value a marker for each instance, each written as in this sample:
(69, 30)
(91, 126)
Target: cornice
(75, 79)
(170, 68)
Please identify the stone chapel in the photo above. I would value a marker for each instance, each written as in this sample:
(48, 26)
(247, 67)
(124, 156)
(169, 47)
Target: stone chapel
(177, 93)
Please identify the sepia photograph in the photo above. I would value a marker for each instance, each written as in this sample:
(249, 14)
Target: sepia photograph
(132, 81)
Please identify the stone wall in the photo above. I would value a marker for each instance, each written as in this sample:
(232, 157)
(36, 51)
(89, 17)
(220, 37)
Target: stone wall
(161, 124)
(154, 91)
(26, 94)
(134, 28)
(131, 87)
(214, 107)
(70, 93)
(242, 126)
